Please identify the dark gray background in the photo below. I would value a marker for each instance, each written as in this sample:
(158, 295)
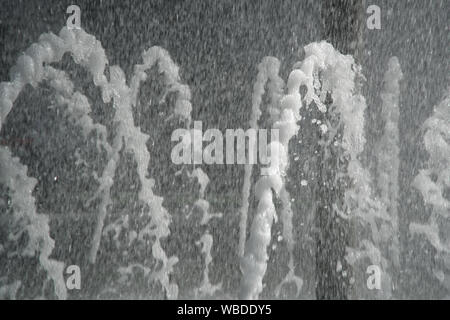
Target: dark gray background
(218, 45)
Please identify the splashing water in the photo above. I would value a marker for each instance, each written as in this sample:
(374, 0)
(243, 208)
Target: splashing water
(141, 240)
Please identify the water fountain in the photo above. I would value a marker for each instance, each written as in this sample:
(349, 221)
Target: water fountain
(322, 97)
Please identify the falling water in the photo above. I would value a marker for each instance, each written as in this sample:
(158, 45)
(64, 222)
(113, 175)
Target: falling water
(354, 203)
